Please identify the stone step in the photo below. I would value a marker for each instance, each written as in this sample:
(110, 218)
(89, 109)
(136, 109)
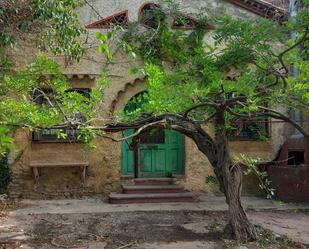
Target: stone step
(153, 181)
(116, 198)
(143, 189)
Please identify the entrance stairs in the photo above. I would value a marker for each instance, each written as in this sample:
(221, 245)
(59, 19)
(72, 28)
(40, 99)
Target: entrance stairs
(152, 190)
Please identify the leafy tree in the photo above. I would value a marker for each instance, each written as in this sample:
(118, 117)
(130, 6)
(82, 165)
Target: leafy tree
(188, 88)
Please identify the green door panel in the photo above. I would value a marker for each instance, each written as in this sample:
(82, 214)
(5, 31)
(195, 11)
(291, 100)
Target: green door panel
(163, 159)
(159, 160)
(173, 161)
(175, 150)
(128, 157)
(146, 160)
(155, 159)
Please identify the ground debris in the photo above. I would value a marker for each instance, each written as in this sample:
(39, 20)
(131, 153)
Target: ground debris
(9, 245)
(7, 205)
(137, 230)
(127, 245)
(75, 240)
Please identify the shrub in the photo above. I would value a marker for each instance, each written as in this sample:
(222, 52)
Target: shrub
(5, 174)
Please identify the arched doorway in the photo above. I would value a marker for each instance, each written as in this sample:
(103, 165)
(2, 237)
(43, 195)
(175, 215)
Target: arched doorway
(160, 152)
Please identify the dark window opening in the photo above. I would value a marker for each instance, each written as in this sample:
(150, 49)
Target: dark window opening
(246, 129)
(296, 158)
(136, 102)
(184, 22)
(154, 136)
(151, 15)
(83, 91)
(47, 97)
(44, 96)
(52, 135)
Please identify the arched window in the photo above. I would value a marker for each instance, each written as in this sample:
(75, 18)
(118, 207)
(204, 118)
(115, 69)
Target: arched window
(150, 15)
(136, 102)
(184, 22)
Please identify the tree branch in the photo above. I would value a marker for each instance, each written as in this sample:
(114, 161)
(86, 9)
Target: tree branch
(280, 56)
(274, 114)
(199, 106)
(93, 9)
(140, 130)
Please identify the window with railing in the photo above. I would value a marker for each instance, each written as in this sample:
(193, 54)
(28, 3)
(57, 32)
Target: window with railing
(246, 129)
(151, 15)
(47, 97)
(119, 19)
(184, 22)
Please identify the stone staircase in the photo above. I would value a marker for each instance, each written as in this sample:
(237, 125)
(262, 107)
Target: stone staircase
(152, 190)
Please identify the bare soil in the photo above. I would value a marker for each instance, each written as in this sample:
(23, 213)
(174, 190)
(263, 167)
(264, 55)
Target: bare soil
(134, 230)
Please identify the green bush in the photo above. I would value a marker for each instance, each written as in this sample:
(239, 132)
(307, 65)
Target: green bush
(5, 174)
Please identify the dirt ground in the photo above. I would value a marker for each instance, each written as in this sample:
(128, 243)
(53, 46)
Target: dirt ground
(140, 230)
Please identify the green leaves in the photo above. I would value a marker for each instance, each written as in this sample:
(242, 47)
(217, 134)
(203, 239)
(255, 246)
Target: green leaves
(252, 167)
(39, 97)
(184, 69)
(64, 30)
(57, 21)
(6, 142)
(87, 136)
(103, 48)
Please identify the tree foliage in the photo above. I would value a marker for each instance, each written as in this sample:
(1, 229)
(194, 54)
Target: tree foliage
(253, 52)
(53, 25)
(19, 107)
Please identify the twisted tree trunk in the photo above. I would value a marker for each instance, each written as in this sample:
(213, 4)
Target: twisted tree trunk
(231, 183)
(230, 179)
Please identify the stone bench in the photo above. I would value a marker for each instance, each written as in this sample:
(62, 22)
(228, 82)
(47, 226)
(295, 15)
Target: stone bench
(36, 166)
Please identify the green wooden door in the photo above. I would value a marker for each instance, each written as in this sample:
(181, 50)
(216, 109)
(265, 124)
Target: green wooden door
(155, 158)
(128, 156)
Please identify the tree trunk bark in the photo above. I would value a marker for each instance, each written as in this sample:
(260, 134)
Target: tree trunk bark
(228, 175)
(242, 229)
(231, 179)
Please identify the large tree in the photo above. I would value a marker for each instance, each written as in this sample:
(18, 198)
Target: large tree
(243, 74)
(188, 89)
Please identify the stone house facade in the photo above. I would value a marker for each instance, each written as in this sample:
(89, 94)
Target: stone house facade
(103, 169)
